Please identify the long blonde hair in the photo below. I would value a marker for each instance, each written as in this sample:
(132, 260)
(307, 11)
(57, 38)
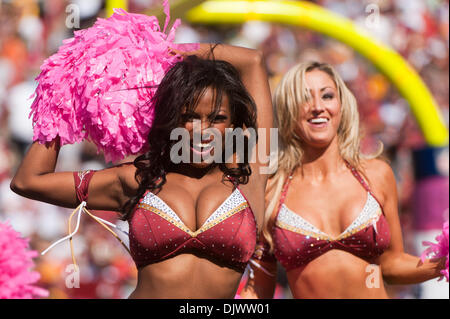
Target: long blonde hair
(289, 95)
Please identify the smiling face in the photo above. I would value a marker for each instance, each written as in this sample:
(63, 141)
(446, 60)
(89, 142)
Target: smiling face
(320, 116)
(210, 113)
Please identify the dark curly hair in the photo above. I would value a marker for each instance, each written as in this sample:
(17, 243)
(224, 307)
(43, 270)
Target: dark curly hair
(180, 91)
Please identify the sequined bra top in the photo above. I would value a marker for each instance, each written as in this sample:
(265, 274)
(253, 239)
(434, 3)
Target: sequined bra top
(297, 242)
(156, 232)
(228, 236)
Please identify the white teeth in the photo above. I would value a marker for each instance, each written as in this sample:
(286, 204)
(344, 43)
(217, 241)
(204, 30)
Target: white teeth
(318, 120)
(203, 145)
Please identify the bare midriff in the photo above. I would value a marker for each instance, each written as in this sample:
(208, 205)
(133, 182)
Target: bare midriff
(337, 275)
(186, 276)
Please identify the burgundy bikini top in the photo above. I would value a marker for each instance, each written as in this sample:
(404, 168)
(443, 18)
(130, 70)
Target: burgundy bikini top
(297, 242)
(228, 236)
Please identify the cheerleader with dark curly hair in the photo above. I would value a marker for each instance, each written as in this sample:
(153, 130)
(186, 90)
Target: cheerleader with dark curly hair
(192, 225)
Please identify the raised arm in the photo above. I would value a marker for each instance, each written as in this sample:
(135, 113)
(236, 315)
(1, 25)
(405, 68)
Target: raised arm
(397, 266)
(35, 178)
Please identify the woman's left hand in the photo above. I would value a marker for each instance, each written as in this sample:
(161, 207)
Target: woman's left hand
(439, 264)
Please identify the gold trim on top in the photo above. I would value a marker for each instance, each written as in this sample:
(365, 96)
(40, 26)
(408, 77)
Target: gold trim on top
(324, 236)
(203, 228)
(362, 226)
(297, 230)
(221, 218)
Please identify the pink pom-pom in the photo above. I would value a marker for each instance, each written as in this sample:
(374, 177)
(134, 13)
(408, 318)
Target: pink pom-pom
(100, 83)
(16, 279)
(438, 250)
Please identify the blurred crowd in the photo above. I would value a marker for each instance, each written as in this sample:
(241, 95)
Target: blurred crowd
(32, 30)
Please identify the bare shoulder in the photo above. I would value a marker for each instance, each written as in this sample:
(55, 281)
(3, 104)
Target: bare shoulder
(380, 175)
(126, 174)
(126, 168)
(377, 168)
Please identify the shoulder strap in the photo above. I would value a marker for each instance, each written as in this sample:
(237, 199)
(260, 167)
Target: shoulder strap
(283, 194)
(358, 177)
(236, 185)
(233, 180)
(82, 179)
(363, 183)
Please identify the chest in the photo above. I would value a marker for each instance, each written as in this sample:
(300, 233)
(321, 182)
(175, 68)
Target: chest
(197, 202)
(193, 203)
(330, 209)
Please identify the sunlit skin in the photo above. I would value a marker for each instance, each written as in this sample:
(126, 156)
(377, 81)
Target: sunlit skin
(325, 193)
(335, 274)
(205, 186)
(193, 213)
(324, 104)
(206, 122)
(193, 191)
